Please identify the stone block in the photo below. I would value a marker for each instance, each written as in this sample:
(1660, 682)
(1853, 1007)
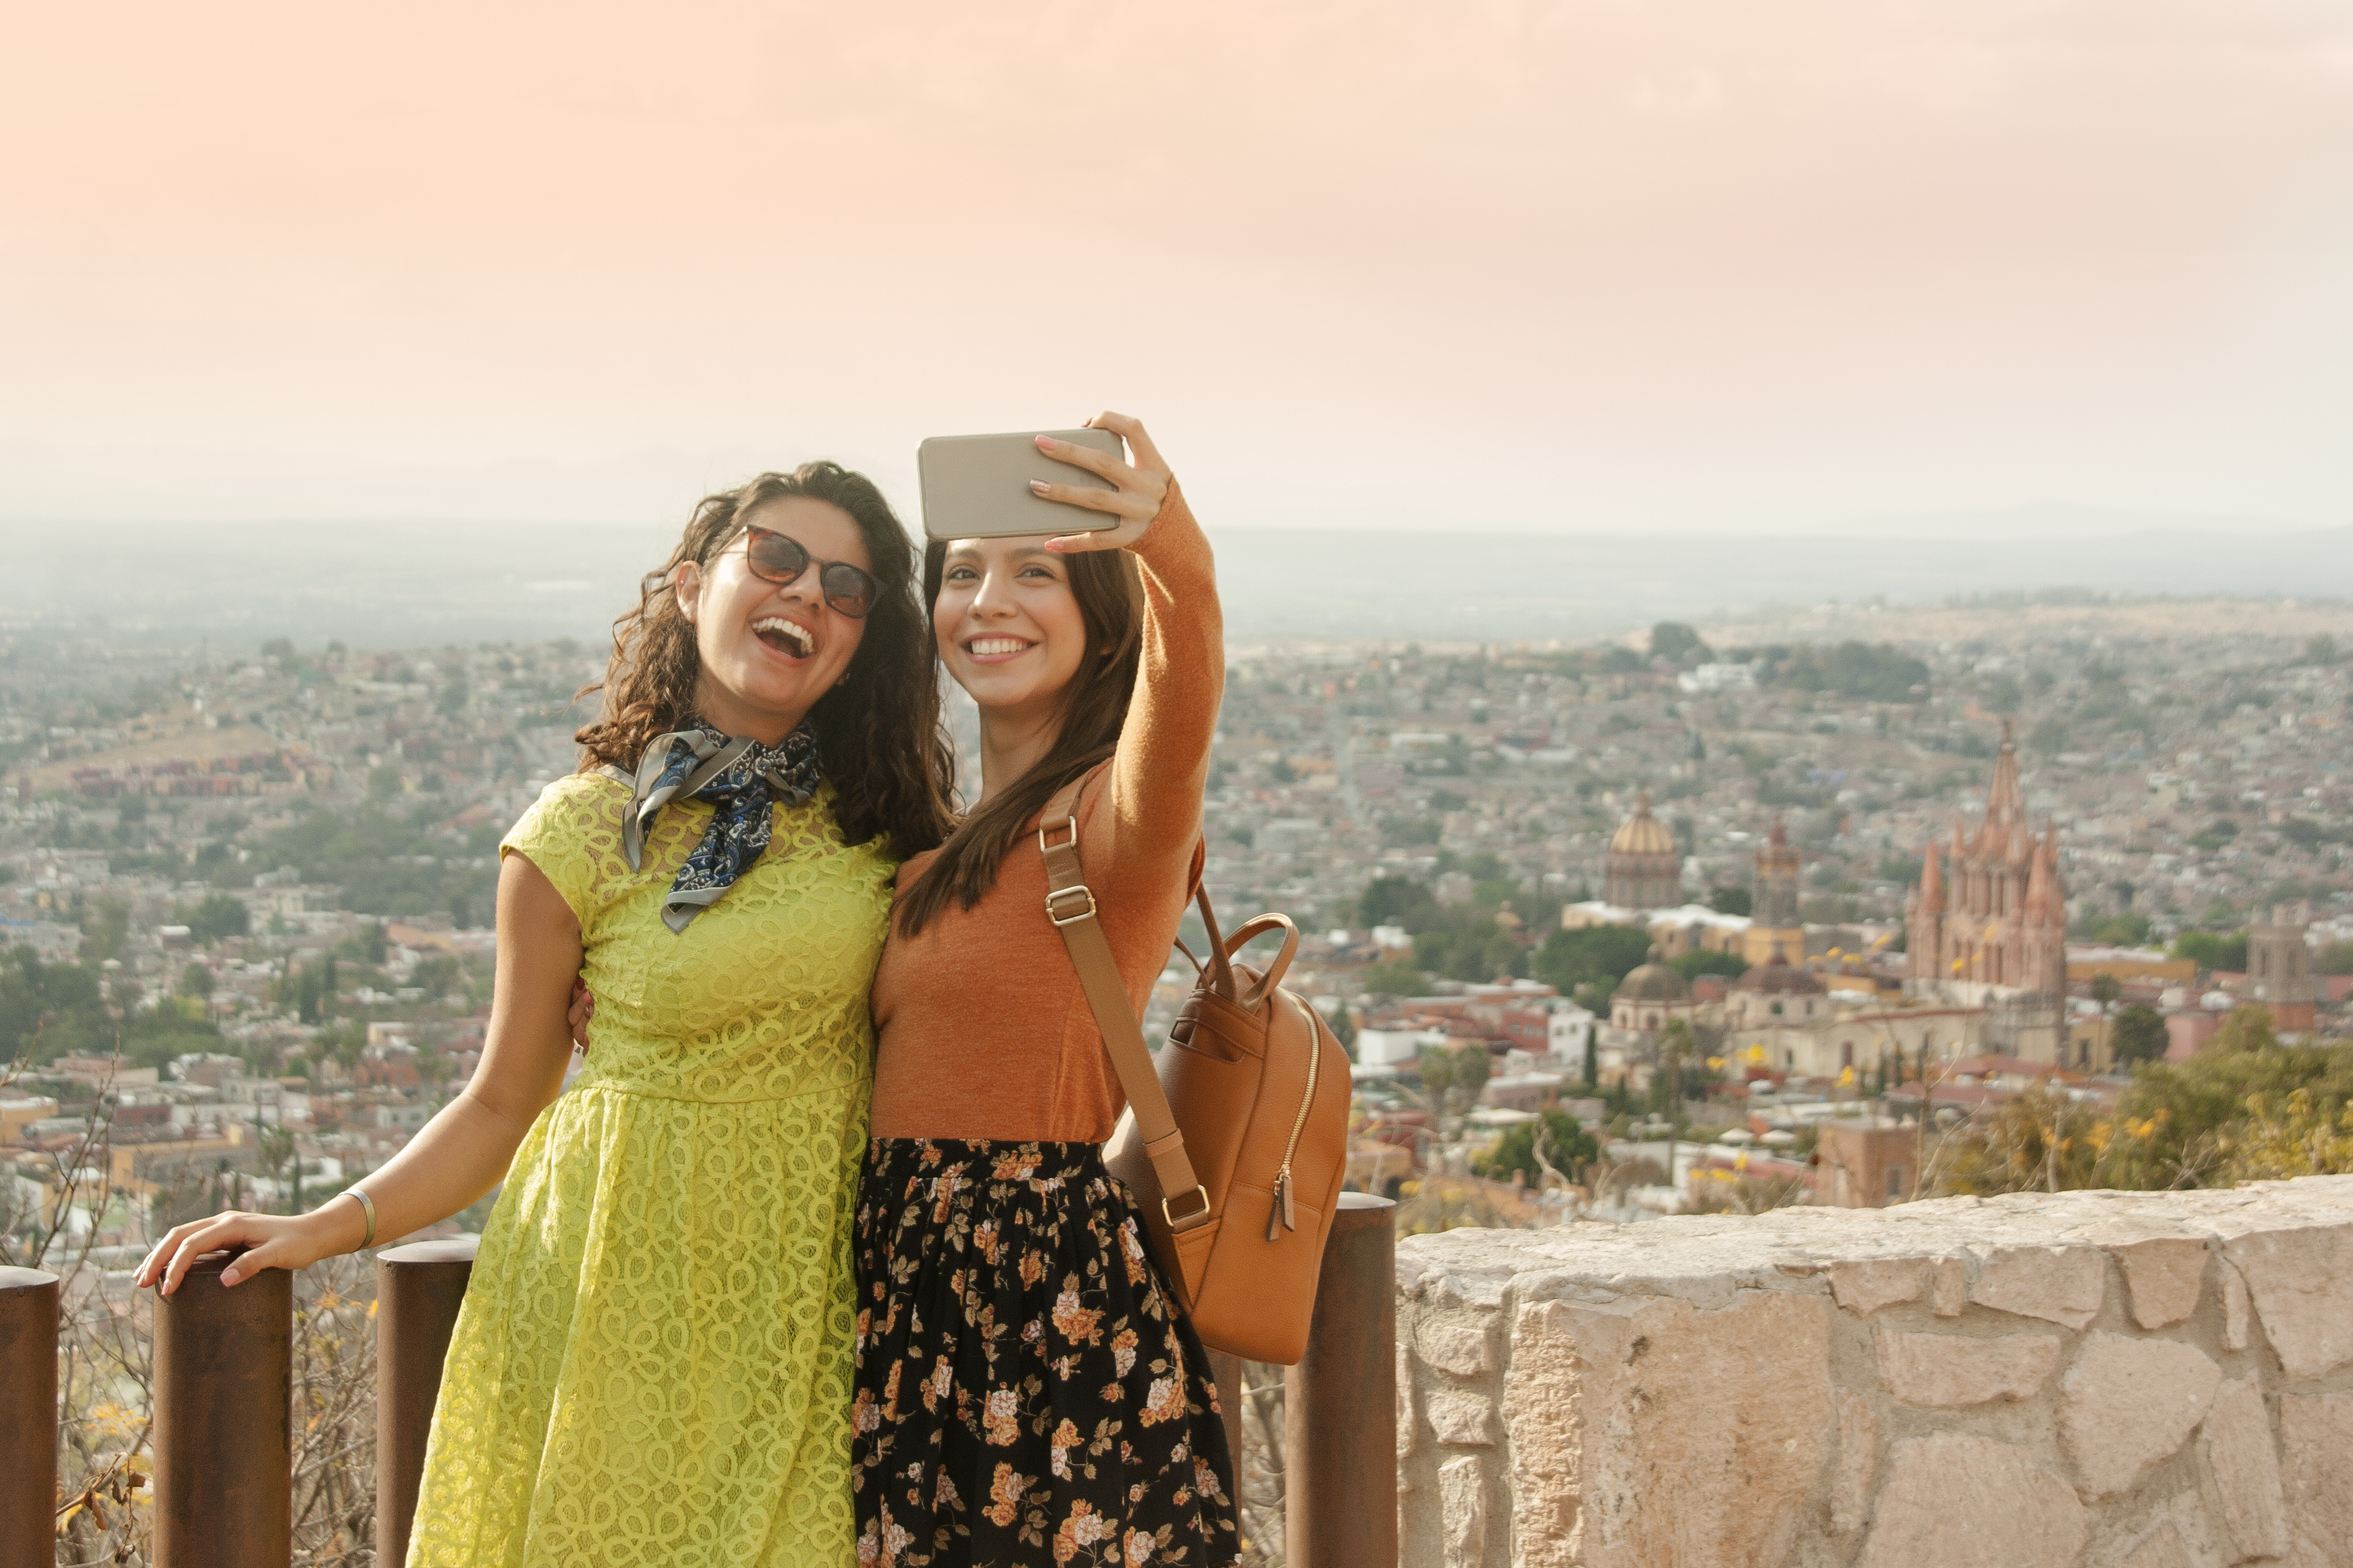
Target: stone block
(2237, 1313)
(2161, 1548)
(2296, 1277)
(2235, 1441)
(1408, 1430)
(2128, 1403)
(1541, 1411)
(2063, 1285)
(1460, 1349)
(2316, 1475)
(1858, 1464)
(1703, 1432)
(1463, 1504)
(1953, 1500)
(1867, 1285)
(1948, 1371)
(2164, 1277)
(1461, 1419)
(1948, 1286)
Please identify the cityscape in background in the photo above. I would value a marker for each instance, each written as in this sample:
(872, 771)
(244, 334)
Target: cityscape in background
(1694, 916)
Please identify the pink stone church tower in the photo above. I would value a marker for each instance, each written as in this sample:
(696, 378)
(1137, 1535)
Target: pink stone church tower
(1997, 914)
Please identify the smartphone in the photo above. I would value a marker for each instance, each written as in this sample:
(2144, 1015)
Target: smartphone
(977, 487)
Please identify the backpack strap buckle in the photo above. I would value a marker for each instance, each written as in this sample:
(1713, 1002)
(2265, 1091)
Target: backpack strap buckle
(1196, 1217)
(1060, 920)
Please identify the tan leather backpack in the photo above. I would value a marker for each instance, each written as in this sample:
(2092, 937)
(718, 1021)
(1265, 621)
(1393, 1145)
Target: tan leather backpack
(1236, 1146)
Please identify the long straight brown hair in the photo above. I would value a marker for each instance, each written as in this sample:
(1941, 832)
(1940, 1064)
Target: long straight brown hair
(1110, 592)
(885, 751)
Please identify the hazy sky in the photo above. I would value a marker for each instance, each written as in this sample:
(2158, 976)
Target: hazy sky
(1605, 264)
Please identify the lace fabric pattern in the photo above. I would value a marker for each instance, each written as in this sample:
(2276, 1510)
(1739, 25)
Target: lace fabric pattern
(654, 1362)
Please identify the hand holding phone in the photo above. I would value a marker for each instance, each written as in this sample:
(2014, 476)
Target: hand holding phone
(996, 487)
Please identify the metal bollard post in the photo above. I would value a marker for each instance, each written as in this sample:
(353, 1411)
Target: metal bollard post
(1340, 1401)
(28, 1408)
(223, 1424)
(418, 1289)
(1229, 1370)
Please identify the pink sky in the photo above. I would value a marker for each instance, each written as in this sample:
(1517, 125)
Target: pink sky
(1773, 264)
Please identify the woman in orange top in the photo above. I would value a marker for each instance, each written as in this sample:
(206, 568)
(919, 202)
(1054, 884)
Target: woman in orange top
(1025, 1391)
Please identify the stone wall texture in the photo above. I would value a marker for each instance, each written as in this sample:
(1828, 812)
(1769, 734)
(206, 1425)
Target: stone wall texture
(2131, 1379)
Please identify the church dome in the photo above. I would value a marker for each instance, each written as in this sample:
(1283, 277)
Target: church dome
(1642, 834)
(1652, 981)
(1779, 978)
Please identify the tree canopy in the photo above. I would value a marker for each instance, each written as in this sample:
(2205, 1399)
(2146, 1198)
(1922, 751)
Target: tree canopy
(1692, 966)
(1569, 959)
(1731, 900)
(2210, 950)
(2137, 1034)
(1568, 1147)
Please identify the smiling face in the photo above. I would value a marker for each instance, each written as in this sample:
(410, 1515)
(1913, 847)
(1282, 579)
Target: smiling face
(770, 650)
(1007, 625)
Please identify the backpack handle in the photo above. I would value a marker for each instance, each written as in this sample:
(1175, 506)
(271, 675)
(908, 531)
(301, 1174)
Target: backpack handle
(1219, 972)
(1250, 930)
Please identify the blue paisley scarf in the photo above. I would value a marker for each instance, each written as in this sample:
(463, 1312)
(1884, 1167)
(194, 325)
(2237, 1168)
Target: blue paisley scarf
(743, 780)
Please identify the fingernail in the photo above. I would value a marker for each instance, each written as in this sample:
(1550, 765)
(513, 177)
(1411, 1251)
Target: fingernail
(1045, 441)
(1037, 485)
(1055, 545)
(229, 1278)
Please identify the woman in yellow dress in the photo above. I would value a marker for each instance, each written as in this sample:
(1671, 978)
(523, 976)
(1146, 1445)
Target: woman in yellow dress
(654, 1361)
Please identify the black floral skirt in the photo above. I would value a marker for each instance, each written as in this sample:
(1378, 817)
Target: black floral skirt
(1027, 1395)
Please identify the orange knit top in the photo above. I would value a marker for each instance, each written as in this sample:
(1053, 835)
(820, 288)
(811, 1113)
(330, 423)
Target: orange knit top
(983, 1030)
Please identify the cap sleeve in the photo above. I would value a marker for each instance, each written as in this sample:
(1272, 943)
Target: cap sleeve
(573, 834)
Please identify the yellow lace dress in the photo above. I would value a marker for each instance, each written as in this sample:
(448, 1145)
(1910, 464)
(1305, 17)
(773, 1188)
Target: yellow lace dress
(654, 1361)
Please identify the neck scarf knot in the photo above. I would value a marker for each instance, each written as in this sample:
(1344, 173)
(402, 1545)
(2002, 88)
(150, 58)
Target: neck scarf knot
(743, 780)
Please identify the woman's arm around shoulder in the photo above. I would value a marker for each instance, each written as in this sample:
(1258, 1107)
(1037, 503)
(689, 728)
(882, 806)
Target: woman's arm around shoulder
(465, 1150)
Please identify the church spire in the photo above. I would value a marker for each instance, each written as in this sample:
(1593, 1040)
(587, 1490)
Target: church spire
(2005, 801)
(1932, 882)
(2038, 891)
(2055, 889)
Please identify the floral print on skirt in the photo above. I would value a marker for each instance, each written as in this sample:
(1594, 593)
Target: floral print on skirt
(1026, 1393)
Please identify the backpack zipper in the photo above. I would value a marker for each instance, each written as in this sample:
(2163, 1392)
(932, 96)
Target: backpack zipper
(1284, 1212)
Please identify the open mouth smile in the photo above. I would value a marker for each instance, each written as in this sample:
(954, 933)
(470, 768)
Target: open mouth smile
(996, 650)
(787, 638)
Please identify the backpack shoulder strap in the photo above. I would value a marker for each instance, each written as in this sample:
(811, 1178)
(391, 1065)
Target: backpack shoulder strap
(1071, 905)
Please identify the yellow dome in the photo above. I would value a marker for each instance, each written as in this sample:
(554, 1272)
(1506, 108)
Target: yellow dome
(1642, 834)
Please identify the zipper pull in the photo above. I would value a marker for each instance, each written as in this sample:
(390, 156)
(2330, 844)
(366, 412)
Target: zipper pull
(1281, 1200)
(1286, 1193)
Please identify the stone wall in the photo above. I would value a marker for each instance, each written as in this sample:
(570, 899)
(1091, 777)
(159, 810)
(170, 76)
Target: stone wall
(2128, 1379)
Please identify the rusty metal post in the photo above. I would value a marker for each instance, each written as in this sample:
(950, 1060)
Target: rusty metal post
(28, 1413)
(418, 1289)
(1340, 1401)
(224, 1433)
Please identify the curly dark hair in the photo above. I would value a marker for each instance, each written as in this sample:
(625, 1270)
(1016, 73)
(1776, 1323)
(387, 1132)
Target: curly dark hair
(886, 751)
(1109, 592)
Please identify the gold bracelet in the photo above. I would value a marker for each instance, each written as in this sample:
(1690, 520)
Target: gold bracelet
(367, 1204)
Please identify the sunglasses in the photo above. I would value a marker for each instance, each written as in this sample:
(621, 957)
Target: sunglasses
(780, 559)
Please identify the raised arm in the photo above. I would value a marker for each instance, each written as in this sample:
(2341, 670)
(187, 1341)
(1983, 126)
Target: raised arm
(1162, 765)
(465, 1150)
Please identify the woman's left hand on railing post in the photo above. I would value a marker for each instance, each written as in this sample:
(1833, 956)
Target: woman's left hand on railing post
(271, 1240)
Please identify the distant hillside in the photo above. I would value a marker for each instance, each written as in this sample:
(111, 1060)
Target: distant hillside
(406, 583)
